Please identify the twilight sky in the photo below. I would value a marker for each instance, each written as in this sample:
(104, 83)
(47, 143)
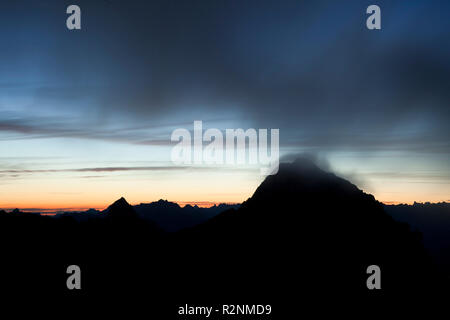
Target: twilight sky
(86, 116)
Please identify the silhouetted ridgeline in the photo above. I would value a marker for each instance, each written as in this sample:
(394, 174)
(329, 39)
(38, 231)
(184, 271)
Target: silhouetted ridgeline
(168, 216)
(303, 232)
(171, 217)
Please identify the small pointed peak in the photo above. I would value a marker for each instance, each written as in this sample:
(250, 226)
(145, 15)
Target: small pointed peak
(122, 200)
(121, 203)
(120, 208)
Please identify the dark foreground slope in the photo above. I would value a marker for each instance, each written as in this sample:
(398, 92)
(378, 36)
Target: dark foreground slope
(305, 238)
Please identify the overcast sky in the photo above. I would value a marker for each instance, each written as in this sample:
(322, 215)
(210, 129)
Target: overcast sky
(86, 116)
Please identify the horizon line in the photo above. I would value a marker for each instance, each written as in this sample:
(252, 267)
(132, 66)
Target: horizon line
(201, 204)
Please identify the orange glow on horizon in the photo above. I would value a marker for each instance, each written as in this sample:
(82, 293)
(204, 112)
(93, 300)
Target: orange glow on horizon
(51, 209)
(57, 194)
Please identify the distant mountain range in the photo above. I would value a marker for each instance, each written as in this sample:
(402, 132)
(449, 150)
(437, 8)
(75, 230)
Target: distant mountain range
(171, 217)
(168, 216)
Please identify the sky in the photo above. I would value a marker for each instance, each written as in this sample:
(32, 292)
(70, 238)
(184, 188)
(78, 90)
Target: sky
(86, 115)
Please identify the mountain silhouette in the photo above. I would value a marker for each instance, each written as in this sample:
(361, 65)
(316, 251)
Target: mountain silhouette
(168, 216)
(317, 231)
(120, 209)
(303, 230)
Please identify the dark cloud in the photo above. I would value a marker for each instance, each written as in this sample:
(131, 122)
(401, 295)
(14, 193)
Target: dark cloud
(411, 142)
(19, 172)
(41, 128)
(311, 69)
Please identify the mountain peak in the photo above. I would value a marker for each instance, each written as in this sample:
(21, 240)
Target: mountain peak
(120, 209)
(303, 181)
(165, 204)
(300, 165)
